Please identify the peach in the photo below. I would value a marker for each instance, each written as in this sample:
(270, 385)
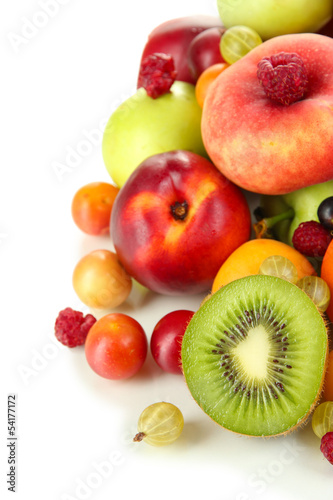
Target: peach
(263, 146)
(247, 258)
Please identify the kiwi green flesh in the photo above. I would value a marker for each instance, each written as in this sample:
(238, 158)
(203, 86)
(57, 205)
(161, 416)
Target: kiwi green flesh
(254, 355)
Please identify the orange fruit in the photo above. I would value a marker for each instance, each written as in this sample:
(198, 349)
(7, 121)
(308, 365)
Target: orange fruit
(247, 259)
(92, 206)
(327, 275)
(205, 79)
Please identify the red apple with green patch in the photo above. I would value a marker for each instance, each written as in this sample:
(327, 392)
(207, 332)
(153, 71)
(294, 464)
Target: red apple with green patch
(176, 220)
(266, 146)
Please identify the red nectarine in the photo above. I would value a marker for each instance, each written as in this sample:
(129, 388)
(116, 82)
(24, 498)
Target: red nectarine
(176, 220)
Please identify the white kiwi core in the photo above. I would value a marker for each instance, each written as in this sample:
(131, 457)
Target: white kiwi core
(252, 354)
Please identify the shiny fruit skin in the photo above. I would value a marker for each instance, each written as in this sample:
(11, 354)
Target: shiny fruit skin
(91, 207)
(322, 419)
(205, 80)
(277, 265)
(272, 18)
(327, 275)
(325, 213)
(175, 36)
(247, 259)
(204, 51)
(116, 346)
(151, 126)
(100, 281)
(238, 41)
(160, 424)
(166, 340)
(317, 289)
(170, 255)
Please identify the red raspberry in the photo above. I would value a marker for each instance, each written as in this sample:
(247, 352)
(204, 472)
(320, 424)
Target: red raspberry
(157, 74)
(283, 77)
(311, 239)
(71, 327)
(326, 446)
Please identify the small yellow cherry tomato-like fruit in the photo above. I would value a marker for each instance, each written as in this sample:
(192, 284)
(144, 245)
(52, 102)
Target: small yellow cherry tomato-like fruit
(100, 280)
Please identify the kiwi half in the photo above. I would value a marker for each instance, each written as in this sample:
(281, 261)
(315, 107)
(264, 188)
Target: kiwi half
(254, 356)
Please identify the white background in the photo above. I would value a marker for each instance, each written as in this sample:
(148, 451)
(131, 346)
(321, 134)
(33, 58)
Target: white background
(61, 84)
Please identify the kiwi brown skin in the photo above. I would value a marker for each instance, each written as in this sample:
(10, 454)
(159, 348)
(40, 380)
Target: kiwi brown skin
(205, 299)
(302, 421)
(329, 325)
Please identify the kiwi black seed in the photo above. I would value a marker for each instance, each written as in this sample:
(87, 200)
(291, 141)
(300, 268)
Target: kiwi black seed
(254, 356)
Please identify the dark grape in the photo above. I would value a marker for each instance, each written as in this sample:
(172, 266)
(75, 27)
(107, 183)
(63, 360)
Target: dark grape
(325, 213)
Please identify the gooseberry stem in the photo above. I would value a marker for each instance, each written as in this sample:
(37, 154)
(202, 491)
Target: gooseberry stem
(262, 227)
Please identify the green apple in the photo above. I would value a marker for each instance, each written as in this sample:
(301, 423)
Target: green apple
(142, 126)
(271, 18)
(283, 214)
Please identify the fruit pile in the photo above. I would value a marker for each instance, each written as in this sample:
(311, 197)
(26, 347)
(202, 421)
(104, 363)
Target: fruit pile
(224, 107)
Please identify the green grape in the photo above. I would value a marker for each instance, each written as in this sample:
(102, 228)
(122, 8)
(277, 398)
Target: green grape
(317, 289)
(160, 424)
(322, 419)
(237, 41)
(279, 266)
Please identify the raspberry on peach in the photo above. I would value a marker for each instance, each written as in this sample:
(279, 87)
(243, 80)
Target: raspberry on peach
(261, 145)
(283, 77)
